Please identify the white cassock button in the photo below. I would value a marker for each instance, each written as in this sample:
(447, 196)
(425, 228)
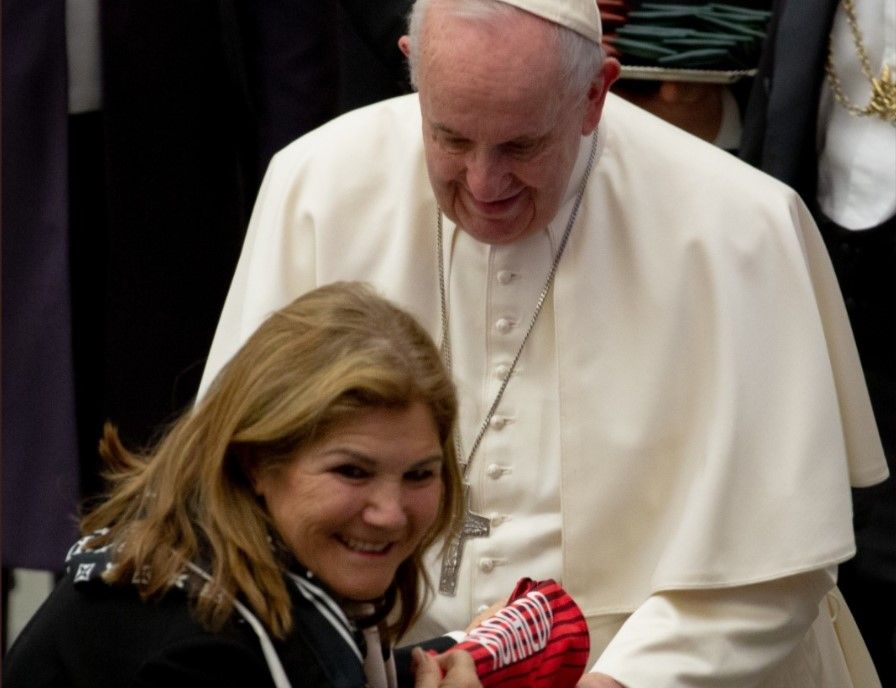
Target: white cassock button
(502, 370)
(498, 422)
(504, 325)
(505, 277)
(494, 471)
(486, 565)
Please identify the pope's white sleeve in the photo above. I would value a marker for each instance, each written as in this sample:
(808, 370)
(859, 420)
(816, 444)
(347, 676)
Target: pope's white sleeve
(722, 638)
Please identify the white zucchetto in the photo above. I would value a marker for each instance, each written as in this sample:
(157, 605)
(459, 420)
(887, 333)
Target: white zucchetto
(581, 16)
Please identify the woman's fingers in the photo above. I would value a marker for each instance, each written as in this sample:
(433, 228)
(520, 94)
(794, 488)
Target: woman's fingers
(457, 667)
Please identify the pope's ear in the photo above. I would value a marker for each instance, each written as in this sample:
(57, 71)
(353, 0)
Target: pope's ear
(404, 44)
(597, 94)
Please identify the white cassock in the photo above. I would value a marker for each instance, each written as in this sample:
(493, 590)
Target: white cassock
(677, 443)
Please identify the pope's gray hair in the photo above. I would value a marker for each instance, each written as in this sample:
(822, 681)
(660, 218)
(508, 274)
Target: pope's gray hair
(580, 58)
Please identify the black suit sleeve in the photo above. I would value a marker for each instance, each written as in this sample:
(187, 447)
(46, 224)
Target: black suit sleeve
(204, 660)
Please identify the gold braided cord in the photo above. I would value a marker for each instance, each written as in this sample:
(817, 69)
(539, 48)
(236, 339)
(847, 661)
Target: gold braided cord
(883, 88)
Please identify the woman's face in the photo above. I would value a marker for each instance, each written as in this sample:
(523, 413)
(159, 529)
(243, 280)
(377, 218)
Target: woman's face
(355, 504)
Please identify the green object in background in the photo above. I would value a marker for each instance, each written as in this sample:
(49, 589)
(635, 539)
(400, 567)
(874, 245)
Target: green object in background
(691, 36)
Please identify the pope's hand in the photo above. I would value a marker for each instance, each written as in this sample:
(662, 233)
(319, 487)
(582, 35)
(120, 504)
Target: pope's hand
(482, 616)
(460, 672)
(598, 681)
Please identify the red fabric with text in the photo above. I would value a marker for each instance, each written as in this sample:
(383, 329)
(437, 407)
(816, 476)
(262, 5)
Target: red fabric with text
(539, 640)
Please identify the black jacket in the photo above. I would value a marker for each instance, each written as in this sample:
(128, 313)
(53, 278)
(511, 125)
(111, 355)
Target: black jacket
(92, 635)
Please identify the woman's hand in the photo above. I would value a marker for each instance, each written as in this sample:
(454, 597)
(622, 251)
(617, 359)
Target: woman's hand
(460, 672)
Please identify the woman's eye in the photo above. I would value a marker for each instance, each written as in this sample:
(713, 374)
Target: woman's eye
(350, 471)
(420, 475)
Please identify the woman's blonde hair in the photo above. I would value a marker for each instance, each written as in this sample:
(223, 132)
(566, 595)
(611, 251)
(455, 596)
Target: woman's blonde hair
(327, 356)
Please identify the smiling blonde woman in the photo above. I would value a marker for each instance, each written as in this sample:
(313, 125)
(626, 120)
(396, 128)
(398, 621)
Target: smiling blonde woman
(274, 536)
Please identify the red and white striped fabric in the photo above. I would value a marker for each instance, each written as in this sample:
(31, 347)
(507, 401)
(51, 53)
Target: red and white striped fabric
(539, 640)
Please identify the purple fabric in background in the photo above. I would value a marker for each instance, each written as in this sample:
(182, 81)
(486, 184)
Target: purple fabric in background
(39, 454)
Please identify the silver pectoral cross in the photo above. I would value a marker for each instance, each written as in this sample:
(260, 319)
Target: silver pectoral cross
(475, 526)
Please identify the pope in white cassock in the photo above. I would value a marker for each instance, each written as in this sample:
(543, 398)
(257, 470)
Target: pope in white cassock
(661, 402)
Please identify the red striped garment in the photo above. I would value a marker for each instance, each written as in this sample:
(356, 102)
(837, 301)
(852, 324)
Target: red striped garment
(539, 640)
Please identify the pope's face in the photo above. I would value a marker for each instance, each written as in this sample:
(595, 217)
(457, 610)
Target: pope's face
(501, 135)
(356, 504)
